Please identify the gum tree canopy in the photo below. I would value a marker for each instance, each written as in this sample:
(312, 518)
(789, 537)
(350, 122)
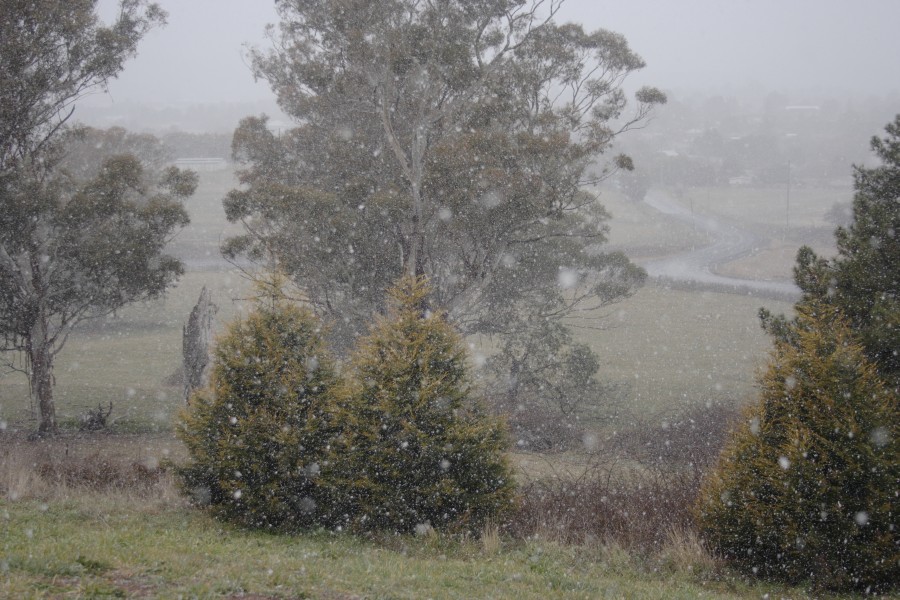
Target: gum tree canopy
(81, 234)
(447, 139)
(53, 52)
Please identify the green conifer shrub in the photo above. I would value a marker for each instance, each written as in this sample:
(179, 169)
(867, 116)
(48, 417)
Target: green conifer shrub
(418, 450)
(806, 490)
(258, 435)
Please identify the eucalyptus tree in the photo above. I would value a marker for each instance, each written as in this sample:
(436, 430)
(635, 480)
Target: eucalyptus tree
(448, 139)
(52, 53)
(80, 234)
(74, 248)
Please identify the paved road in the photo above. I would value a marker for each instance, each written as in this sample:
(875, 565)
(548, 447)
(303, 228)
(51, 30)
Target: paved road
(728, 242)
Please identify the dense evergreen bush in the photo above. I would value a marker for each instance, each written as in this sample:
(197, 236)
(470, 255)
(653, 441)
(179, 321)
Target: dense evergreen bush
(418, 451)
(807, 487)
(258, 436)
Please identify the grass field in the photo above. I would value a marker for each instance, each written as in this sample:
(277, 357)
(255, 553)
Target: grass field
(642, 232)
(671, 349)
(663, 349)
(770, 206)
(74, 549)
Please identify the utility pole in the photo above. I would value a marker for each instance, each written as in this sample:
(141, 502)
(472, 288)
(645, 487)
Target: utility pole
(787, 204)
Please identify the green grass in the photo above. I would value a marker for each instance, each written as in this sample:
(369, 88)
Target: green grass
(668, 349)
(101, 546)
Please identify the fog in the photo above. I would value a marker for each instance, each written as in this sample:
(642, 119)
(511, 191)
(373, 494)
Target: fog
(807, 49)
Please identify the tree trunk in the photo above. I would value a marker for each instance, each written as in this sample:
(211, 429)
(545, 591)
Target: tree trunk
(40, 355)
(195, 344)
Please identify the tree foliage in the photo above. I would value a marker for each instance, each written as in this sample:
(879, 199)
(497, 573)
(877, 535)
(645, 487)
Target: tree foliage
(76, 246)
(417, 449)
(806, 489)
(863, 280)
(53, 52)
(76, 240)
(259, 435)
(452, 140)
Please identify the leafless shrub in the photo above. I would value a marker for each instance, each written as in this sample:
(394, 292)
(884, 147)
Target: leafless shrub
(634, 489)
(634, 507)
(688, 439)
(100, 473)
(539, 429)
(46, 469)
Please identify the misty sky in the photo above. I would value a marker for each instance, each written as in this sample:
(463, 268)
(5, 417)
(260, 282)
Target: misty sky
(822, 46)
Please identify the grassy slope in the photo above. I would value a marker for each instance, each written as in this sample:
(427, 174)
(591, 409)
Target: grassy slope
(91, 546)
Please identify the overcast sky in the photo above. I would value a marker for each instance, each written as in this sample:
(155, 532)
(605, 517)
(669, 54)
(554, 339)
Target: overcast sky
(824, 46)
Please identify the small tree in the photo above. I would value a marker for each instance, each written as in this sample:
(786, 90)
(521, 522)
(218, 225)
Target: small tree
(258, 435)
(71, 246)
(806, 489)
(418, 450)
(74, 248)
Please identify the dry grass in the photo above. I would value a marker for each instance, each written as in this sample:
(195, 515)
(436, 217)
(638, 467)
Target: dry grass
(490, 538)
(98, 465)
(684, 552)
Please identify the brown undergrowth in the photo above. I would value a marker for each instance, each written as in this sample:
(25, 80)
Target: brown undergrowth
(83, 464)
(636, 489)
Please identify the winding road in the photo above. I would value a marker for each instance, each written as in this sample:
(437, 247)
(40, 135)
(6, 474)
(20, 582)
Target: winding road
(730, 242)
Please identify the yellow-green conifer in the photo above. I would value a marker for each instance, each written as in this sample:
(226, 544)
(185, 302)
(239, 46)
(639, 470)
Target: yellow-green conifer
(807, 488)
(418, 451)
(258, 435)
